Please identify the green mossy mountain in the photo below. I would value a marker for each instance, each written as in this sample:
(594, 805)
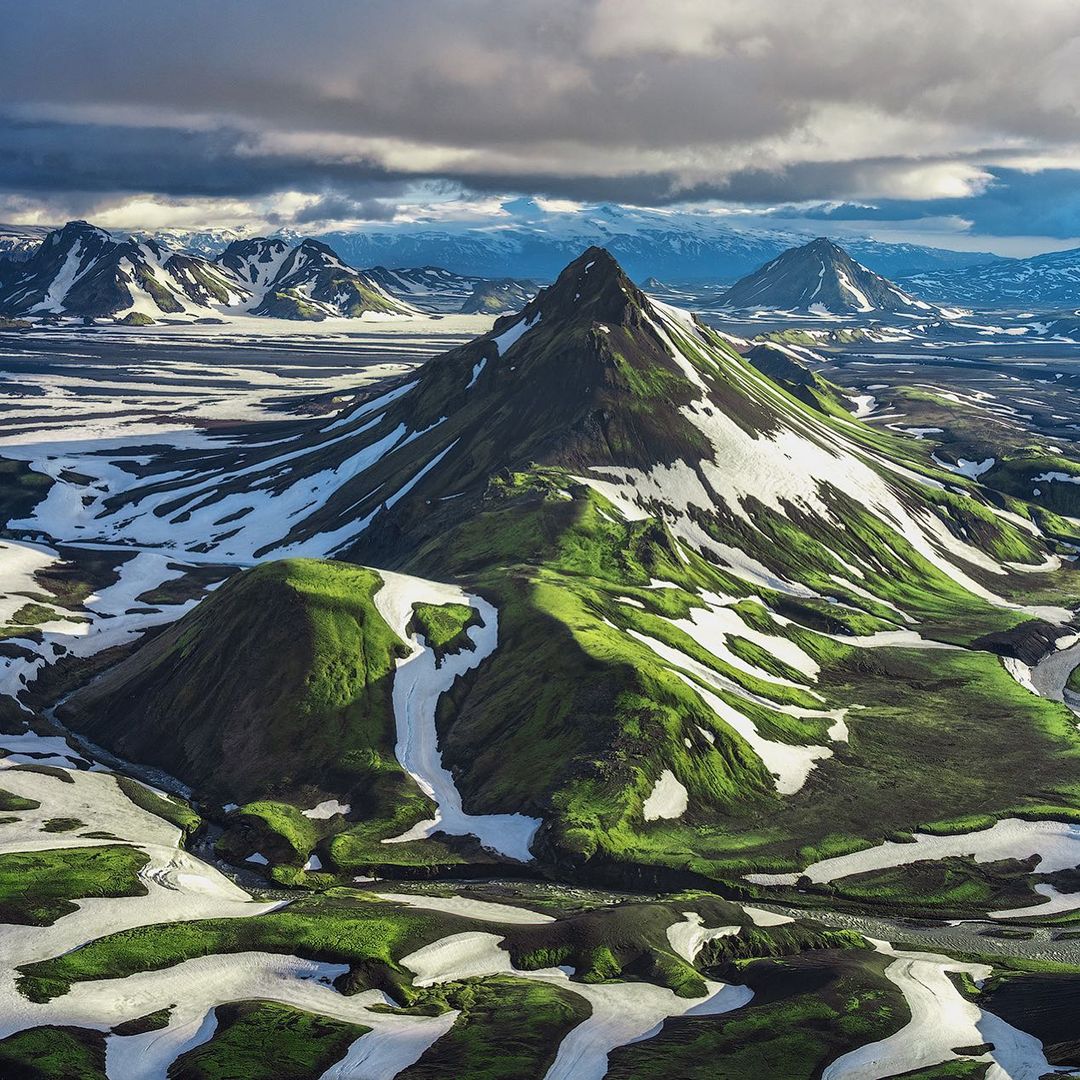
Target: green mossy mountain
(593, 467)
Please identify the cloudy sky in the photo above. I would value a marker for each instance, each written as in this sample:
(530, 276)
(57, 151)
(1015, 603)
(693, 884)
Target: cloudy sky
(952, 122)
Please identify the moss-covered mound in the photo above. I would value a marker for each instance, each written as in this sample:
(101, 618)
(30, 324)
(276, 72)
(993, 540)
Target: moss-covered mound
(281, 677)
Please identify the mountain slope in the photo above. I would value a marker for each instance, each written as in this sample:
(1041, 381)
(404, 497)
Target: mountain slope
(820, 276)
(695, 562)
(498, 297)
(83, 271)
(291, 654)
(312, 283)
(431, 288)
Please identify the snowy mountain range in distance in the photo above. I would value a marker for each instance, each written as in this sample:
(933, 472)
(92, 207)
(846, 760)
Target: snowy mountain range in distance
(84, 272)
(528, 241)
(429, 269)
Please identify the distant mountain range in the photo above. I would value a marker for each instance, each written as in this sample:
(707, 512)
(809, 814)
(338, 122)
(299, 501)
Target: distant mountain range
(83, 271)
(820, 277)
(674, 246)
(1046, 281)
(494, 271)
(527, 241)
(86, 272)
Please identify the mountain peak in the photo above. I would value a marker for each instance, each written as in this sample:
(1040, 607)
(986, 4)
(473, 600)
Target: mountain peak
(78, 229)
(594, 287)
(821, 277)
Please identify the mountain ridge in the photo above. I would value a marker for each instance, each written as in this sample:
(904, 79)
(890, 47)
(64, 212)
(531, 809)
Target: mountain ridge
(82, 271)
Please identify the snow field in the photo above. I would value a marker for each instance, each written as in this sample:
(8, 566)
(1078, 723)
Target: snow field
(621, 1012)
(418, 684)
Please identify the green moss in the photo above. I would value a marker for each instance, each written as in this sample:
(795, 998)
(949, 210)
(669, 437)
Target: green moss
(508, 1029)
(338, 929)
(172, 809)
(444, 626)
(21, 489)
(806, 1012)
(37, 888)
(291, 834)
(62, 824)
(53, 1053)
(10, 801)
(153, 1021)
(287, 670)
(262, 1040)
(33, 614)
(950, 888)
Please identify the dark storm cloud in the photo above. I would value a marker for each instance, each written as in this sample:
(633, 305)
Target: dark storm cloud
(49, 156)
(902, 106)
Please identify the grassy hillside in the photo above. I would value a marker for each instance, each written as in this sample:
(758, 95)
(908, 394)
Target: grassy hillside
(280, 678)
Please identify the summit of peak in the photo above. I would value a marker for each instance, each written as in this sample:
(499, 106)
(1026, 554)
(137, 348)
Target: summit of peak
(593, 285)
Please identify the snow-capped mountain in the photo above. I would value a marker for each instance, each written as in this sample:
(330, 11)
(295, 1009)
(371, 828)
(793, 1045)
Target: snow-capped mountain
(256, 261)
(311, 282)
(82, 270)
(19, 242)
(85, 272)
(528, 241)
(210, 243)
(1051, 280)
(819, 277)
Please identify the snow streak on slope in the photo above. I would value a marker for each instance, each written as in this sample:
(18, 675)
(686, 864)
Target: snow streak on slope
(418, 684)
(796, 464)
(941, 1020)
(224, 501)
(1056, 843)
(113, 616)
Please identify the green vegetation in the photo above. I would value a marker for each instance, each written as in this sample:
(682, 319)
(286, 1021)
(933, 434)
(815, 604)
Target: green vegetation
(1073, 682)
(154, 1021)
(287, 304)
(806, 1012)
(38, 887)
(62, 824)
(278, 830)
(444, 626)
(261, 1040)
(951, 888)
(571, 703)
(508, 1029)
(172, 809)
(136, 318)
(53, 1053)
(9, 802)
(21, 489)
(33, 614)
(286, 668)
(337, 928)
